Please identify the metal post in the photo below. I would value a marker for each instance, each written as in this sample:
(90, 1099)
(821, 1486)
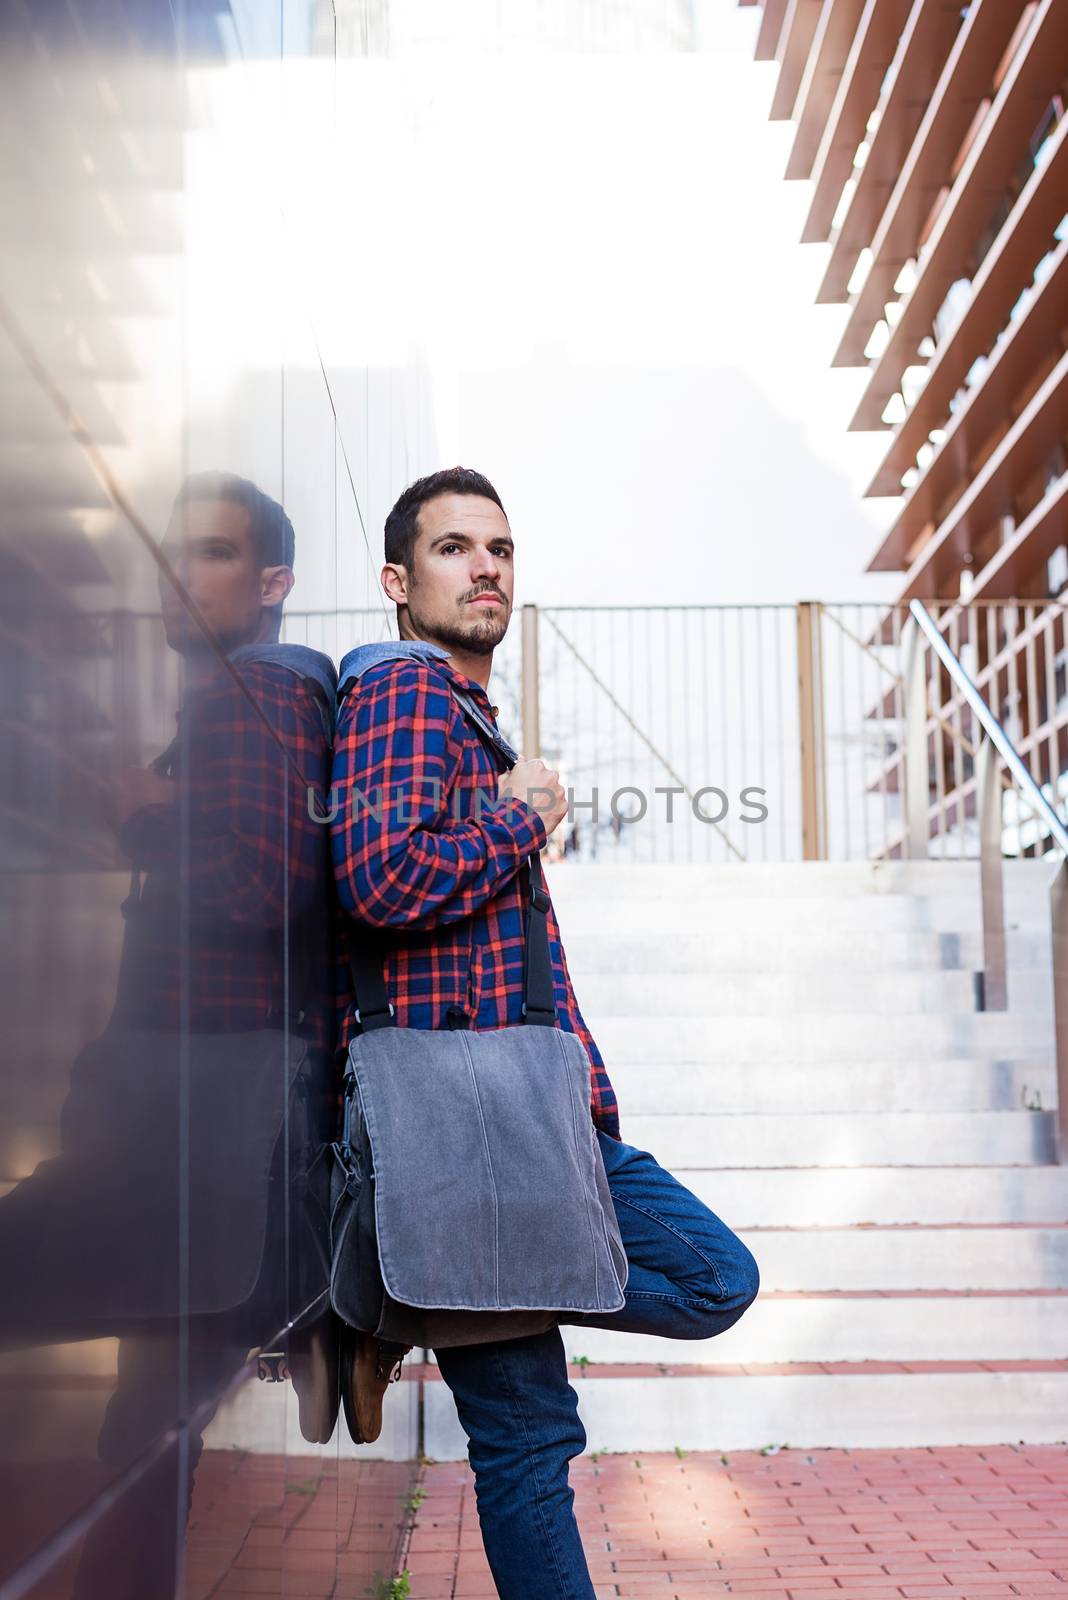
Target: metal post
(991, 878)
(1058, 904)
(810, 724)
(1043, 809)
(530, 708)
(917, 778)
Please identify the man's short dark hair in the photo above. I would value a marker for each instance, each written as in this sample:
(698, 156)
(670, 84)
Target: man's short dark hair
(402, 524)
(270, 530)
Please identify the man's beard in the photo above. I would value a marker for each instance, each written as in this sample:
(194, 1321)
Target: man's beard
(479, 637)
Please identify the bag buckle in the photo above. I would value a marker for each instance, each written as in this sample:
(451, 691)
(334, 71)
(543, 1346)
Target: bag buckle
(373, 1017)
(539, 898)
(536, 1014)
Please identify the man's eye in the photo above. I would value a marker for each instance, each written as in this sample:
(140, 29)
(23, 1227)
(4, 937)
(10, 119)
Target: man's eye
(503, 549)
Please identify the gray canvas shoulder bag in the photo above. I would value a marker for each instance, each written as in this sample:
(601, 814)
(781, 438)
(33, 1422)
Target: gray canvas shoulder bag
(470, 1199)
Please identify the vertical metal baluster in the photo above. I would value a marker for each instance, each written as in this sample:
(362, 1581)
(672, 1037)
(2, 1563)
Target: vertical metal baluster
(598, 757)
(988, 809)
(843, 741)
(1029, 747)
(563, 738)
(586, 633)
(936, 705)
(687, 690)
(993, 648)
(900, 722)
(1060, 764)
(1014, 697)
(761, 751)
(669, 750)
(721, 614)
(778, 615)
(957, 722)
(739, 658)
(647, 718)
(862, 743)
(630, 757)
(705, 711)
(884, 705)
(1052, 741)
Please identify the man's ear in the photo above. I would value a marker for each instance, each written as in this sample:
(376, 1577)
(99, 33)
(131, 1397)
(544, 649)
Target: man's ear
(275, 584)
(394, 580)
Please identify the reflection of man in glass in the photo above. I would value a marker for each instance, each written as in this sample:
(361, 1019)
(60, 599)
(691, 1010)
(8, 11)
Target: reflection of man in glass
(192, 1120)
(231, 548)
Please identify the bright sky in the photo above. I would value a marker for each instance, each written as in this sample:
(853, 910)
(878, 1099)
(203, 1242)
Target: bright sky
(595, 260)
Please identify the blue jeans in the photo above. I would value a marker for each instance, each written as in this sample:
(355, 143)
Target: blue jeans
(689, 1277)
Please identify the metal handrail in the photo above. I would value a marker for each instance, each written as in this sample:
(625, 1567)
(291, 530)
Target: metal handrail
(898, 680)
(994, 980)
(996, 733)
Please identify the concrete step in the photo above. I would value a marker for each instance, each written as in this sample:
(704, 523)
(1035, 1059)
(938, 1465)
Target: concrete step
(61, 1420)
(811, 1197)
(263, 1418)
(1007, 1256)
(862, 949)
(690, 914)
(932, 1325)
(800, 1046)
(777, 991)
(779, 880)
(785, 1086)
(856, 1139)
(955, 1403)
(857, 1327)
(819, 1036)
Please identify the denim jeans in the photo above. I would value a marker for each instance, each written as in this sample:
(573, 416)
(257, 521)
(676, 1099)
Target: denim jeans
(689, 1277)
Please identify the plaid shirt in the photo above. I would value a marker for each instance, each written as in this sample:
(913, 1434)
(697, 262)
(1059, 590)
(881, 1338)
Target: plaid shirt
(422, 857)
(234, 865)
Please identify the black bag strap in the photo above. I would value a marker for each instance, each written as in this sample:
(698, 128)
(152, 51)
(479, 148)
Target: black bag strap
(373, 1009)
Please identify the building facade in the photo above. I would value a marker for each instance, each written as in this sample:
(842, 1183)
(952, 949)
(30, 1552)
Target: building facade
(934, 141)
(164, 892)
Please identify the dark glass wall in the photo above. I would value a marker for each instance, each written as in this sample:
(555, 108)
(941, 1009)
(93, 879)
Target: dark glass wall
(175, 440)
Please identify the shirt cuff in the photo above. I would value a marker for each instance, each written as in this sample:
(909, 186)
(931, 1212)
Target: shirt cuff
(522, 821)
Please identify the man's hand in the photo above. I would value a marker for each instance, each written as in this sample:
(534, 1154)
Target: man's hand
(539, 786)
(134, 789)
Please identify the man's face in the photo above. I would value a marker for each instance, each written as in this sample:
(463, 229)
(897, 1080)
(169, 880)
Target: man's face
(209, 545)
(459, 592)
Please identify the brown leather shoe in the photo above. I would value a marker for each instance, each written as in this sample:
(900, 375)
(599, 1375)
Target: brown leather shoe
(313, 1366)
(367, 1368)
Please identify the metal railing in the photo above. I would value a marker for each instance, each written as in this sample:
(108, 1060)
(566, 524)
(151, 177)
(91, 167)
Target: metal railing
(701, 733)
(808, 709)
(868, 732)
(840, 721)
(1016, 655)
(994, 742)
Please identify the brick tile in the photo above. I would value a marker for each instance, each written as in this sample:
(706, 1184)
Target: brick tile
(955, 1523)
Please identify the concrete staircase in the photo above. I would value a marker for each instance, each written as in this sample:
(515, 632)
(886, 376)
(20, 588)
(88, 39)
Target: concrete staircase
(799, 1044)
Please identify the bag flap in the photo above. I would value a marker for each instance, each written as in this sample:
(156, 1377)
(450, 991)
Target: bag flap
(485, 1161)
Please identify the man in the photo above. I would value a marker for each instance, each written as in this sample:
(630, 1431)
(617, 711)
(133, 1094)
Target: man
(437, 876)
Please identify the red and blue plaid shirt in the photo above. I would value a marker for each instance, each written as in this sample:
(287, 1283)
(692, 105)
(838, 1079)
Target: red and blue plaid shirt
(424, 856)
(231, 929)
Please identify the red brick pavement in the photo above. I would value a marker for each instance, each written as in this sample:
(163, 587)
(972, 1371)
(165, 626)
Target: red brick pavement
(306, 1529)
(948, 1524)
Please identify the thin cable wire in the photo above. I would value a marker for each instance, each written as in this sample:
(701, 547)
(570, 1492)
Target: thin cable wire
(657, 754)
